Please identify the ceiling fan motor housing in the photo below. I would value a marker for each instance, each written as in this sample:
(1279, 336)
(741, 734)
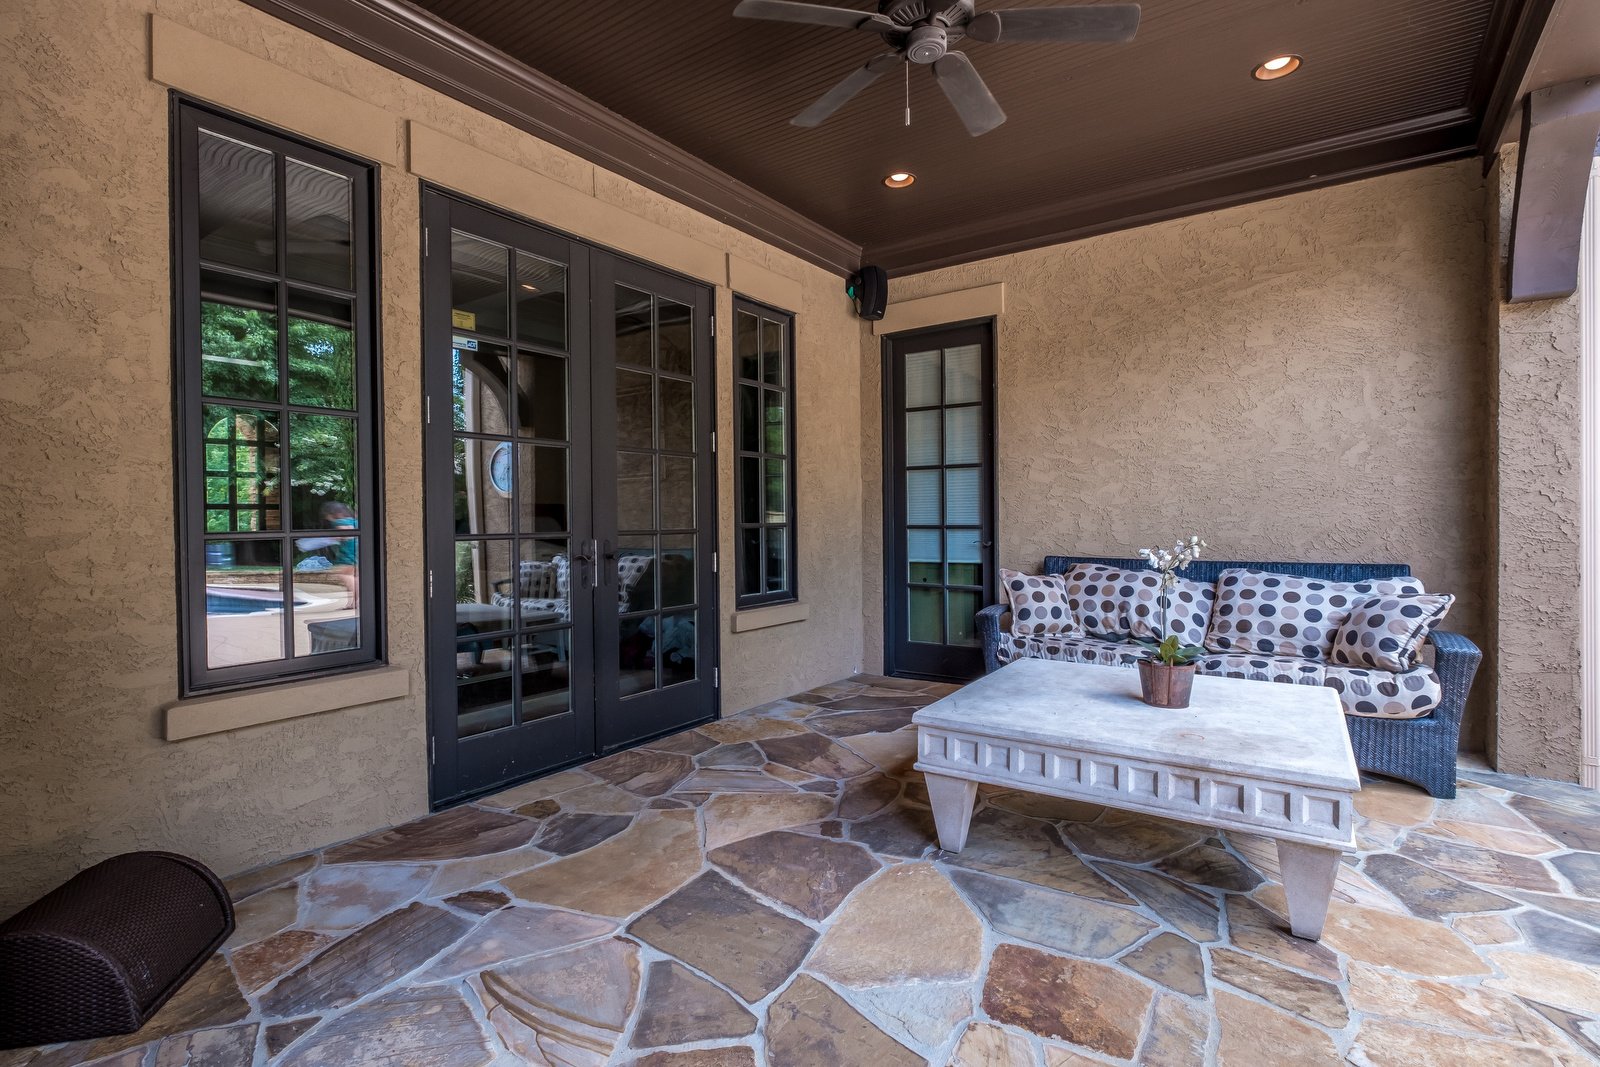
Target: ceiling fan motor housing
(927, 44)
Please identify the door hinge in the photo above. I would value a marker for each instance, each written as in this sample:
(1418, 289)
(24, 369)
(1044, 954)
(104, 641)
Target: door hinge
(430, 583)
(716, 677)
(713, 324)
(426, 242)
(713, 563)
(433, 750)
(713, 440)
(427, 410)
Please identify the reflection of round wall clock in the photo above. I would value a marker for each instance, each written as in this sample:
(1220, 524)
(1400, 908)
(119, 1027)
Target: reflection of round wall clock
(500, 469)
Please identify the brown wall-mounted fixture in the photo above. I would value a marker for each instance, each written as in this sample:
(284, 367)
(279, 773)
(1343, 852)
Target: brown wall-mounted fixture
(1560, 127)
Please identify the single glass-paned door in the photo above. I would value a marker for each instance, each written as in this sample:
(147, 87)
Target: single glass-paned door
(571, 606)
(939, 451)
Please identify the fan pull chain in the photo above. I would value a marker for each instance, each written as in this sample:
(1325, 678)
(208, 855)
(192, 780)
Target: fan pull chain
(908, 92)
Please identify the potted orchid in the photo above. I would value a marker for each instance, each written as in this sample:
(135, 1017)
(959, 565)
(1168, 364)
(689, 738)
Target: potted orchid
(1166, 674)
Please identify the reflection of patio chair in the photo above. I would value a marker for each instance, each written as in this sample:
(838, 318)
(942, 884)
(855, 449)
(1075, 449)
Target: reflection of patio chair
(333, 635)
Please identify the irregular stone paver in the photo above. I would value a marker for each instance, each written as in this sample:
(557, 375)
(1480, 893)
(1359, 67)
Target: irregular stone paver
(679, 1007)
(265, 914)
(1194, 912)
(986, 1045)
(745, 728)
(538, 789)
(1255, 929)
(816, 755)
(809, 1024)
(1383, 1041)
(1573, 828)
(453, 834)
(234, 1046)
(868, 794)
(602, 798)
(725, 1056)
(1499, 838)
(1575, 908)
(513, 933)
(1447, 1005)
(258, 964)
(1172, 961)
(734, 817)
(742, 754)
(342, 897)
(863, 701)
(280, 1036)
(892, 753)
(1132, 838)
(1069, 924)
(573, 832)
(1582, 869)
(1309, 998)
(1393, 802)
(688, 743)
(1428, 893)
(1017, 847)
(1212, 866)
(907, 924)
(365, 961)
(898, 832)
(1179, 1028)
(1039, 806)
(850, 723)
(1577, 1028)
(733, 780)
(481, 870)
(248, 884)
(431, 1027)
(718, 928)
(1254, 1035)
(567, 1007)
(1415, 946)
(1349, 884)
(541, 808)
(1089, 1004)
(1481, 864)
(918, 1014)
(641, 865)
(811, 875)
(643, 771)
(1558, 937)
(1549, 981)
(1487, 929)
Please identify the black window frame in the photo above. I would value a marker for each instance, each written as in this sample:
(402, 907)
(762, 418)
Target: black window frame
(790, 593)
(187, 118)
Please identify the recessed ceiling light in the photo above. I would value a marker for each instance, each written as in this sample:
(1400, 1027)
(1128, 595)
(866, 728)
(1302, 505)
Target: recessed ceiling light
(1277, 67)
(899, 179)
(530, 288)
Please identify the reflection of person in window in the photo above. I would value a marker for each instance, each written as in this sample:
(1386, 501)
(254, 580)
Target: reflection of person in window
(340, 517)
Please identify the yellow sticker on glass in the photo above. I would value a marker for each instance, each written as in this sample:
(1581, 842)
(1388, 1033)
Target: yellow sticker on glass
(463, 320)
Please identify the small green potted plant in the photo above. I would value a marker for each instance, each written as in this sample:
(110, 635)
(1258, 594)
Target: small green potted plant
(1166, 674)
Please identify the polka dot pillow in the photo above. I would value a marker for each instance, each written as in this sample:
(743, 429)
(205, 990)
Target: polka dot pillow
(1108, 602)
(1038, 603)
(1273, 614)
(1386, 632)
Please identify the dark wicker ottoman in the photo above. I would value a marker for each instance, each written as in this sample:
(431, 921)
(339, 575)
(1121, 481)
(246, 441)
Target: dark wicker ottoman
(100, 954)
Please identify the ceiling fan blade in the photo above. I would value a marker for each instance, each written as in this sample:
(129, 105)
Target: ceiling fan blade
(1082, 22)
(841, 94)
(812, 14)
(964, 87)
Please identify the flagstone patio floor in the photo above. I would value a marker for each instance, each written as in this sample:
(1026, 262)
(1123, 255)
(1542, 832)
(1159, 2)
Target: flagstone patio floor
(767, 889)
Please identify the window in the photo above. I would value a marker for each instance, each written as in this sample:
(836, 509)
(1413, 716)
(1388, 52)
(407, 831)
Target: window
(277, 418)
(764, 444)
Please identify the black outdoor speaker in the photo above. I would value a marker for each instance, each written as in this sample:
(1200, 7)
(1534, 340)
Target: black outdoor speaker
(870, 290)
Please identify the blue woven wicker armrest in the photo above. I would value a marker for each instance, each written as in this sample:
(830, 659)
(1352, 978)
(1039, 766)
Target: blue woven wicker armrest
(1455, 660)
(992, 621)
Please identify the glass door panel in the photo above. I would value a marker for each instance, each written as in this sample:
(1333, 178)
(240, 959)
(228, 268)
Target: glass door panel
(940, 456)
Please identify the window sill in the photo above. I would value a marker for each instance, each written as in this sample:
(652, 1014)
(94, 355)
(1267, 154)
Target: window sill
(774, 615)
(198, 716)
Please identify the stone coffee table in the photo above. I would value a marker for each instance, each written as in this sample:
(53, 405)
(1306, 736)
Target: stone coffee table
(1262, 757)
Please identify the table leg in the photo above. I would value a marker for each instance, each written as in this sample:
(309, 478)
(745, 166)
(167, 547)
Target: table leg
(1308, 875)
(952, 808)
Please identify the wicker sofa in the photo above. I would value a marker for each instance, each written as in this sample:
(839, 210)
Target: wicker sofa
(1419, 750)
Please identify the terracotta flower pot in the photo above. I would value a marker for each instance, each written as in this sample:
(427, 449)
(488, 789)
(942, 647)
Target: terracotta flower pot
(1163, 686)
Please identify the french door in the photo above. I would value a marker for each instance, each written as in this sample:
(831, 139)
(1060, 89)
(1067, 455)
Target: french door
(939, 506)
(569, 499)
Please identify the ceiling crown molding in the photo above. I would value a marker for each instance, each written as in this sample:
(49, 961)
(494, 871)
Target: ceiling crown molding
(430, 51)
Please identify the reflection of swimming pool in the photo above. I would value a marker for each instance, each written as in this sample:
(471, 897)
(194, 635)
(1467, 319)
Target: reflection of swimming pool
(221, 600)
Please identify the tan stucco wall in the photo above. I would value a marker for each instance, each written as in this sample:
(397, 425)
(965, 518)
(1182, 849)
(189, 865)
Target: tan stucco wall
(1302, 378)
(86, 510)
(1537, 380)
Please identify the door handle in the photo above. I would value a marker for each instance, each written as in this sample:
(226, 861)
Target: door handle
(588, 556)
(607, 565)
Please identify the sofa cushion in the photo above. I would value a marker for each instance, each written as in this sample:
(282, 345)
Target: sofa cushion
(1374, 694)
(1267, 613)
(1038, 602)
(1386, 632)
(1116, 604)
(1068, 649)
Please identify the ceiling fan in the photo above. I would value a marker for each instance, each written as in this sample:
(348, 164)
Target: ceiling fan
(923, 31)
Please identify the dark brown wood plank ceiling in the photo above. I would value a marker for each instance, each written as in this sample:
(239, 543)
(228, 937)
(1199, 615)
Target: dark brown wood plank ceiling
(1098, 136)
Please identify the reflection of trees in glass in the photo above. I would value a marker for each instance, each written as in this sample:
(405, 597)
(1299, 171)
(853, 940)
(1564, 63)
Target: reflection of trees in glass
(240, 353)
